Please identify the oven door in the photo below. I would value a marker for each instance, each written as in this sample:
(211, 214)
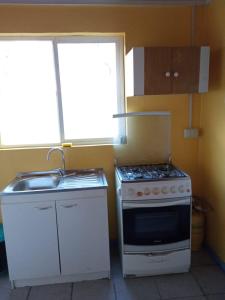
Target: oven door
(156, 225)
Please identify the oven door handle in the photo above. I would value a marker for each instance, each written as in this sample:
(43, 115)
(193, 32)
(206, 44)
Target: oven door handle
(149, 203)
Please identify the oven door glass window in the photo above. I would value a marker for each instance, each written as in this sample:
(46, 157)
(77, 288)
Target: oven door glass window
(158, 225)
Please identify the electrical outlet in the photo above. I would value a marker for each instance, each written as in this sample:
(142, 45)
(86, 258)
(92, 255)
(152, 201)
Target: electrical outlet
(191, 133)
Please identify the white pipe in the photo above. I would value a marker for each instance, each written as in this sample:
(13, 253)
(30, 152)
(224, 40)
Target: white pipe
(190, 102)
(190, 98)
(193, 25)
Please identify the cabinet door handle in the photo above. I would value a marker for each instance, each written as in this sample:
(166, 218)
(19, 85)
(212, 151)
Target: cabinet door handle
(175, 74)
(167, 74)
(44, 208)
(69, 205)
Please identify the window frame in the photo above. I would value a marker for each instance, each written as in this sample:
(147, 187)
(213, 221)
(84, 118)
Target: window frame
(118, 39)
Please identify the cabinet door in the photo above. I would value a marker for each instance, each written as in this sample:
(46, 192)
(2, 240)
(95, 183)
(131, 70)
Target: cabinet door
(185, 69)
(31, 240)
(157, 70)
(83, 235)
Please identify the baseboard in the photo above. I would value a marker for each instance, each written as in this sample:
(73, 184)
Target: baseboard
(215, 257)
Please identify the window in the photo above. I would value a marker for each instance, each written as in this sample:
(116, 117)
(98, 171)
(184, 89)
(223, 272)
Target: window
(57, 90)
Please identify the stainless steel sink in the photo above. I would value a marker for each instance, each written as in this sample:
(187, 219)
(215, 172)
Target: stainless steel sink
(36, 183)
(81, 179)
(56, 180)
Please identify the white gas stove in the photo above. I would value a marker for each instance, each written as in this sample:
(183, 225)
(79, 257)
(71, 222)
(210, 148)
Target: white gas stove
(156, 181)
(154, 212)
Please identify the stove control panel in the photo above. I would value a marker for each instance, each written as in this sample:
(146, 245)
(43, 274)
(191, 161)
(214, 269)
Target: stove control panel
(156, 190)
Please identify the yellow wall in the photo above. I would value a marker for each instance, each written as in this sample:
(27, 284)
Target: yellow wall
(147, 26)
(212, 143)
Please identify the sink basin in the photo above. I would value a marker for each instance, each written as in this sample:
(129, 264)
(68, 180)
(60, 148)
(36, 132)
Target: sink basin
(56, 180)
(36, 183)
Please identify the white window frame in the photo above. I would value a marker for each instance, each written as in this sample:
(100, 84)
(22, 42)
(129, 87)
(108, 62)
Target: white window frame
(120, 54)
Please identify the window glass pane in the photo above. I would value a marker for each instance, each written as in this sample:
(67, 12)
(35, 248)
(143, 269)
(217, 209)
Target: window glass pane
(28, 103)
(89, 89)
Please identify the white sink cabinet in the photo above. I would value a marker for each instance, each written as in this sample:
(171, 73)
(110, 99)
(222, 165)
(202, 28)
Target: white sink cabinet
(31, 251)
(56, 237)
(82, 230)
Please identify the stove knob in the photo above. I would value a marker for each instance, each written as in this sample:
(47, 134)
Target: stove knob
(139, 194)
(156, 190)
(181, 189)
(173, 189)
(147, 191)
(165, 190)
(131, 192)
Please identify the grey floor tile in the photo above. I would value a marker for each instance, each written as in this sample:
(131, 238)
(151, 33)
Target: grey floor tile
(178, 286)
(5, 293)
(200, 258)
(93, 290)
(210, 278)
(136, 288)
(19, 293)
(190, 298)
(51, 292)
(216, 297)
(116, 269)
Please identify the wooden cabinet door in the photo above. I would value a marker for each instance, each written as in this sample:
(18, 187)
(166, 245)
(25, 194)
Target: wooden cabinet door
(157, 70)
(83, 235)
(185, 69)
(31, 240)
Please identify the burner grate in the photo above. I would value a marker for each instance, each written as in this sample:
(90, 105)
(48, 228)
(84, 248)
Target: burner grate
(150, 172)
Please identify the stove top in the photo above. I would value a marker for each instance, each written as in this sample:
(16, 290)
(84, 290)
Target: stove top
(150, 172)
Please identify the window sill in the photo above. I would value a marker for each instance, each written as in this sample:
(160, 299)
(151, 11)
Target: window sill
(18, 148)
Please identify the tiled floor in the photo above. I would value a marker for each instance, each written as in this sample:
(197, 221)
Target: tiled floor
(205, 282)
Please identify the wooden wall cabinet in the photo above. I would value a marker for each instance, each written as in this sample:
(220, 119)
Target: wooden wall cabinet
(167, 70)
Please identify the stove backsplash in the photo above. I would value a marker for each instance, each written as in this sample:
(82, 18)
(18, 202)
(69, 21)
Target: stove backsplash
(148, 141)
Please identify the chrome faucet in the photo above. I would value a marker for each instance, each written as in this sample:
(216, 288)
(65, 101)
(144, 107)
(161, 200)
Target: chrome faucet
(62, 156)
